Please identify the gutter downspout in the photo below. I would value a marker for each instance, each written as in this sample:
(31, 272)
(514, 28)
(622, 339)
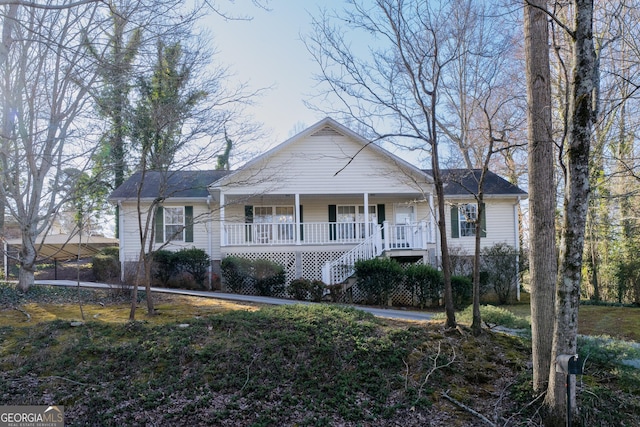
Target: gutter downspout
(120, 239)
(209, 238)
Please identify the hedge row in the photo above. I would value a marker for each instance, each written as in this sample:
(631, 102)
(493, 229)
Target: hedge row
(180, 268)
(378, 278)
(242, 275)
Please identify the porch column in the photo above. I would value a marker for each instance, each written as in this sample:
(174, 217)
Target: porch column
(297, 233)
(223, 234)
(366, 215)
(432, 228)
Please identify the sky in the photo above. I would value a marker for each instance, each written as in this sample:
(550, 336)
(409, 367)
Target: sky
(268, 51)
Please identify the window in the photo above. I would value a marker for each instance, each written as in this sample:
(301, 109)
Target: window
(346, 222)
(270, 221)
(464, 218)
(468, 217)
(352, 225)
(174, 224)
(284, 219)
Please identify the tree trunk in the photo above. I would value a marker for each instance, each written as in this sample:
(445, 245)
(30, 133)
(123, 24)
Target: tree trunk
(28, 255)
(542, 255)
(476, 324)
(576, 204)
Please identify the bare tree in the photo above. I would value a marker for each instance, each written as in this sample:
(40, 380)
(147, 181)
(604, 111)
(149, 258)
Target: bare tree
(581, 116)
(482, 107)
(394, 90)
(542, 250)
(45, 99)
(184, 117)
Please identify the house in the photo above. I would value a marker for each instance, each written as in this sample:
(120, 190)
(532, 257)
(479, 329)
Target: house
(314, 204)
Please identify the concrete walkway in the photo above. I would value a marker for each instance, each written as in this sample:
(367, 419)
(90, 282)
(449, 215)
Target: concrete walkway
(379, 312)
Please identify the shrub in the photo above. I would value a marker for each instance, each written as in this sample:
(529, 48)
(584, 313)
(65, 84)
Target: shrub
(462, 289)
(305, 290)
(299, 289)
(336, 292)
(194, 261)
(236, 273)
(106, 265)
(377, 278)
(317, 290)
(164, 266)
(183, 280)
(425, 282)
(500, 261)
(269, 277)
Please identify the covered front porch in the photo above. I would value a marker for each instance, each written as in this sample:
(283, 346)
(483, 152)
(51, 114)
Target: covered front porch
(410, 235)
(395, 221)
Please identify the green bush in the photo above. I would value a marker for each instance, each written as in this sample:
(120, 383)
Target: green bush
(462, 289)
(425, 282)
(500, 261)
(300, 289)
(269, 277)
(106, 265)
(194, 261)
(236, 273)
(164, 266)
(317, 290)
(305, 289)
(377, 278)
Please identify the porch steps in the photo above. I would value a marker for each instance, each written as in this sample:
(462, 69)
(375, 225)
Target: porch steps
(340, 269)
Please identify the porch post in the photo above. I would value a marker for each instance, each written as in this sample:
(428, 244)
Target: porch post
(297, 233)
(425, 234)
(366, 215)
(223, 234)
(432, 218)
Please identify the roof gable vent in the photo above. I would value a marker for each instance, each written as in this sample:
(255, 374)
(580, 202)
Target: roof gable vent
(327, 131)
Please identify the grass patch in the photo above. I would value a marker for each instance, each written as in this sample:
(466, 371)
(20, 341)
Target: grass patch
(492, 316)
(201, 363)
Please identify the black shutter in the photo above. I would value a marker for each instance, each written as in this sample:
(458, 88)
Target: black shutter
(159, 220)
(455, 232)
(301, 226)
(188, 223)
(381, 216)
(333, 217)
(248, 219)
(483, 221)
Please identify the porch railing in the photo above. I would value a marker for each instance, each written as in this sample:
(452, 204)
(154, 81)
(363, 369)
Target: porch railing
(308, 233)
(396, 237)
(339, 270)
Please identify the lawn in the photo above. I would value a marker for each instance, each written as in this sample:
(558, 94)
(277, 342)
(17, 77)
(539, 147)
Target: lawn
(599, 320)
(207, 362)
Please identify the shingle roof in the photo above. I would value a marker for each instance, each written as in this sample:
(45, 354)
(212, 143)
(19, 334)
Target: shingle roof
(176, 183)
(464, 182)
(184, 184)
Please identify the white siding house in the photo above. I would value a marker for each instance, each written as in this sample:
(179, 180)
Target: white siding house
(320, 199)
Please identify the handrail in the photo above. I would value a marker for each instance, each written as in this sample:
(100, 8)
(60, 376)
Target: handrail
(340, 269)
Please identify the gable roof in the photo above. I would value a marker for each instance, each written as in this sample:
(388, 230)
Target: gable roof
(326, 126)
(464, 182)
(179, 184)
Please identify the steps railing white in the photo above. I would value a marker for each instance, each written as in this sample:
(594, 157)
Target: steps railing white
(340, 269)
